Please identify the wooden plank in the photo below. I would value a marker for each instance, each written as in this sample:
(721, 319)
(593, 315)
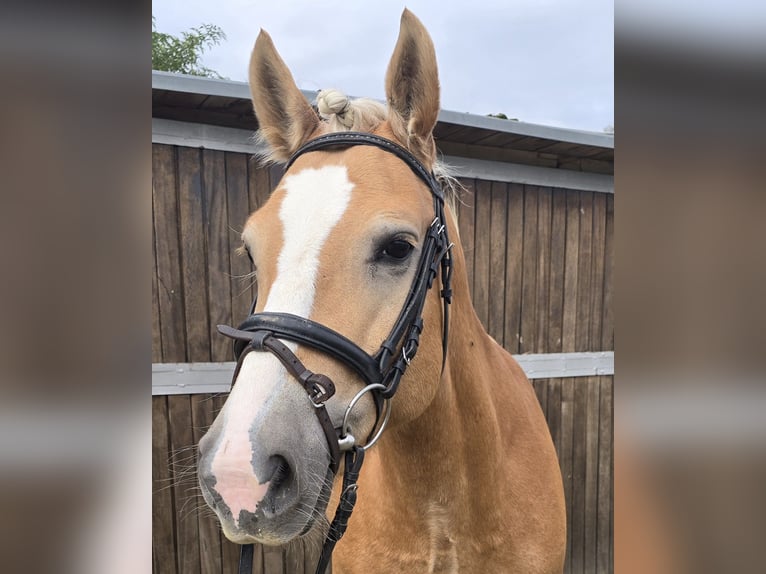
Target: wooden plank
(207, 524)
(514, 267)
(604, 508)
(607, 322)
(156, 335)
(496, 293)
(611, 503)
(182, 463)
(259, 565)
(557, 267)
(169, 285)
(194, 267)
(566, 456)
(570, 271)
(578, 477)
(605, 557)
(466, 215)
(541, 391)
(553, 417)
(230, 555)
(580, 514)
(310, 557)
(528, 338)
(543, 268)
(591, 472)
(273, 562)
(163, 551)
(216, 239)
(276, 171)
(311, 553)
(238, 208)
(259, 185)
(163, 526)
(584, 257)
(597, 270)
(293, 558)
(553, 413)
(481, 251)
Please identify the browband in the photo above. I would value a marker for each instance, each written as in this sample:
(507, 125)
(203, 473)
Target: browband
(343, 140)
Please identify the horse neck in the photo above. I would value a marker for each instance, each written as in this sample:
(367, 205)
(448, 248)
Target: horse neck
(459, 429)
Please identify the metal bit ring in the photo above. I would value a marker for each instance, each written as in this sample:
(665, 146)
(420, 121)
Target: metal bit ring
(345, 430)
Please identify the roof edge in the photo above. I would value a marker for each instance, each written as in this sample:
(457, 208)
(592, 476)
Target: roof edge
(234, 89)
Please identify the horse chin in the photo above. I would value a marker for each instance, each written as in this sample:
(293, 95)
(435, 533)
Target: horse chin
(277, 521)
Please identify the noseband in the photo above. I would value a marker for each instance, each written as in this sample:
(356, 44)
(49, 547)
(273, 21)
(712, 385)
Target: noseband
(382, 371)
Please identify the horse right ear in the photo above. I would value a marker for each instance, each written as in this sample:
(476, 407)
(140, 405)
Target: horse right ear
(285, 118)
(412, 89)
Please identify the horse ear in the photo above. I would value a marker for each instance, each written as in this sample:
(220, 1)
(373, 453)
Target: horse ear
(412, 88)
(285, 118)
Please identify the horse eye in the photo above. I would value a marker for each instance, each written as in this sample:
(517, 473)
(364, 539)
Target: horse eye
(398, 249)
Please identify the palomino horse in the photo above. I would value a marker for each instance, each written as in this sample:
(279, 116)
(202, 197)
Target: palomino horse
(351, 250)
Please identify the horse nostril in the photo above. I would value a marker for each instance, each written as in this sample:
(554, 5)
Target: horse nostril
(281, 471)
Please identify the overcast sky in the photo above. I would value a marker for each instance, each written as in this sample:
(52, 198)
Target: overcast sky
(542, 61)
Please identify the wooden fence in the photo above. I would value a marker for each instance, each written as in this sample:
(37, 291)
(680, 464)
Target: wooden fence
(540, 265)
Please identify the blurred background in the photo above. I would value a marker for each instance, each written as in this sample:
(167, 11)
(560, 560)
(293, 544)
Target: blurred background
(690, 274)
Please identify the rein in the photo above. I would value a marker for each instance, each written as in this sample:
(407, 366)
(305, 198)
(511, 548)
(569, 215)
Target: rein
(381, 372)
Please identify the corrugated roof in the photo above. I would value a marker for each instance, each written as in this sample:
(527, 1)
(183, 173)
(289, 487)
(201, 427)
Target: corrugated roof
(227, 103)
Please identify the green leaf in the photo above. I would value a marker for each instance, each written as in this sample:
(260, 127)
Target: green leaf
(183, 54)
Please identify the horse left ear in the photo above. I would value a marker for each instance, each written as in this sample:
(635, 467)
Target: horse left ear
(412, 89)
(285, 118)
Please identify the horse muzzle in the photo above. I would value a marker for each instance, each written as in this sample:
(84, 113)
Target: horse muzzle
(264, 466)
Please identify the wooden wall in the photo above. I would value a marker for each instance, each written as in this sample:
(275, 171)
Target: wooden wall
(540, 265)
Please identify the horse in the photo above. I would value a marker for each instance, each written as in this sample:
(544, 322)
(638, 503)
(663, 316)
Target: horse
(351, 250)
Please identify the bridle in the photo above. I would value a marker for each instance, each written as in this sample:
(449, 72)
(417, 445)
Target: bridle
(382, 371)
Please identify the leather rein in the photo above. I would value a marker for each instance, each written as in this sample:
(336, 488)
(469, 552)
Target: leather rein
(381, 372)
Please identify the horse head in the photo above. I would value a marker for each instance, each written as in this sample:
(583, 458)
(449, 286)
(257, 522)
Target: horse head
(340, 244)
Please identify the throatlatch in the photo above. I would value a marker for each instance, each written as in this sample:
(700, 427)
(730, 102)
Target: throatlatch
(382, 371)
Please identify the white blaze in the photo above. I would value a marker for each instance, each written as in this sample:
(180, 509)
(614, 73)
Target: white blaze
(313, 203)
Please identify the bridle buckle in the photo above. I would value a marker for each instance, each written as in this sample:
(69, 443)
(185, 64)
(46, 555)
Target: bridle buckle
(318, 387)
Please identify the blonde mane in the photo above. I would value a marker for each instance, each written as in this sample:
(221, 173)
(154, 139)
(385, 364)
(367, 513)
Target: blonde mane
(341, 113)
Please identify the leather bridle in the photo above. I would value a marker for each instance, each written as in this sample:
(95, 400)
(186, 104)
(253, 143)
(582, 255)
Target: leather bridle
(382, 371)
